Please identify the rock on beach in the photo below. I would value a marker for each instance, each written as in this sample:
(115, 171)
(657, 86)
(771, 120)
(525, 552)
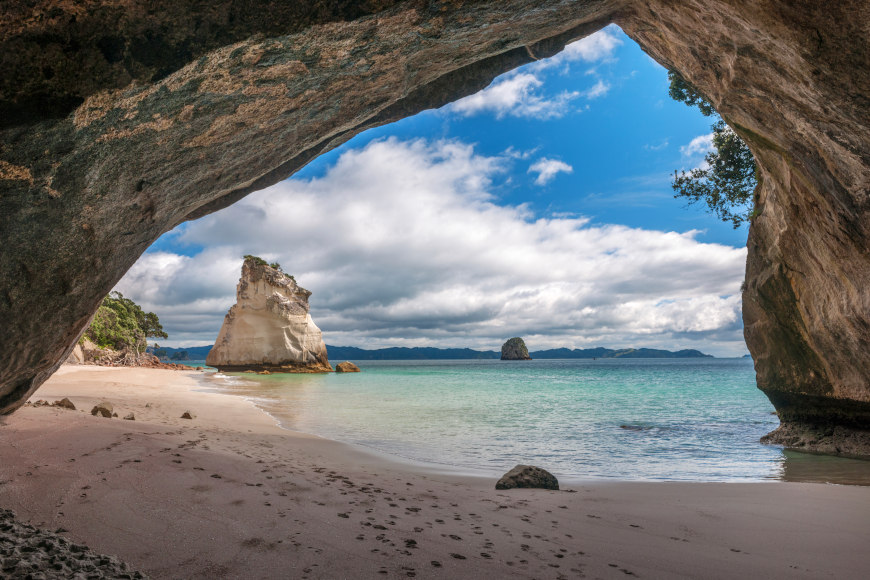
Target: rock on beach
(346, 367)
(528, 476)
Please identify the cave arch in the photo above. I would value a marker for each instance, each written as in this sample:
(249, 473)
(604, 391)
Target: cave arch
(103, 147)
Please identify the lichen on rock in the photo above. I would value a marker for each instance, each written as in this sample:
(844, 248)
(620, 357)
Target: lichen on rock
(269, 327)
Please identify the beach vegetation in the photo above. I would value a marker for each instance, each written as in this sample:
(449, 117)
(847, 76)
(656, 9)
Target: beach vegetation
(256, 260)
(121, 324)
(727, 179)
(261, 262)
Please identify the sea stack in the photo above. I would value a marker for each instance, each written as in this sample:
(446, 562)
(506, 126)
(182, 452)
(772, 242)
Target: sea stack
(269, 328)
(515, 349)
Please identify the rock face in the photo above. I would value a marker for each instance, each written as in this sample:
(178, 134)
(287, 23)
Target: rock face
(118, 122)
(528, 476)
(269, 327)
(346, 367)
(515, 349)
(76, 357)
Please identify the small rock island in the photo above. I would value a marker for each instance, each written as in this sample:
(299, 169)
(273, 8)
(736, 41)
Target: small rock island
(269, 327)
(515, 349)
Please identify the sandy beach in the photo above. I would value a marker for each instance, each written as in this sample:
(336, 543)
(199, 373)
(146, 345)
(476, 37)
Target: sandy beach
(229, 494)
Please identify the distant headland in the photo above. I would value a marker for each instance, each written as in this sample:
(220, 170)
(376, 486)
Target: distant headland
(431, 353)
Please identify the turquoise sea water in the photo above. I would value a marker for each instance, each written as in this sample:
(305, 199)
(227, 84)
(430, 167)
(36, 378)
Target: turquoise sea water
(632, 419)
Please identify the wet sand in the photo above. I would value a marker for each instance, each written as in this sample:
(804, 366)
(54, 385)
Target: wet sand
(228, 494)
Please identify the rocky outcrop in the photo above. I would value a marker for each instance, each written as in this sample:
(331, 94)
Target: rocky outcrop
(118, 122)
(269, 327)
(515, 349)
(346, 367)
(528, 476)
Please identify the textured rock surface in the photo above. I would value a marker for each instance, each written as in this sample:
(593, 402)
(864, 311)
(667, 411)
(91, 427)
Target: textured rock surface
(515, 349)
(65, 403)
(527, 476)
(269, 327)
(120, 121)
(28, 553)
(346, 367)
(103, 409)
(76, 357)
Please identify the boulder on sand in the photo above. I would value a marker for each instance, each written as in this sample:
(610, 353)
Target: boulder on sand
(65, 404)
(528, 476)
(103, 409)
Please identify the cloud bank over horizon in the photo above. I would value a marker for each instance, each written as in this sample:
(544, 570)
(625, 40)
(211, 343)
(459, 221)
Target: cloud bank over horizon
(405, 243)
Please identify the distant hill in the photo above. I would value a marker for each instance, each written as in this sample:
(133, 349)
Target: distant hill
(622, 353)
(430, 353)
(403, 353)
(352, 353)
(169, 353)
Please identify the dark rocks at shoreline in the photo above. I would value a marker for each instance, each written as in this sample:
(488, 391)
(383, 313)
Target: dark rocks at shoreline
(826, 439)
(28, 552)
(528, 476)
(515, 349)
(346, 367)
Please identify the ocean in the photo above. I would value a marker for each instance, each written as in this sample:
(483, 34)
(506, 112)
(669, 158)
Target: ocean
(605, 419)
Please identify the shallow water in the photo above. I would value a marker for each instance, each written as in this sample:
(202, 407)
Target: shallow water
(631, 419)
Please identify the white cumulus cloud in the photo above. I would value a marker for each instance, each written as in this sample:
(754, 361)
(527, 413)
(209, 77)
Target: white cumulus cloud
(594, 48)
(700, 145)
(517, 96)
(524, 94)
(547, 169)
(403, 243)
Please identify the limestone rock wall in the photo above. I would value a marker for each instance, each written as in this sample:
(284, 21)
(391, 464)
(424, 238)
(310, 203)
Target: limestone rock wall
(120, 121)
(269, 327)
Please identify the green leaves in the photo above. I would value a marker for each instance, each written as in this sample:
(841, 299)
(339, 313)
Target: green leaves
(120, 323)
(726, 183)
(680, 90)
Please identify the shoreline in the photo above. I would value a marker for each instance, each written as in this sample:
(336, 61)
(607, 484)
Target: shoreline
(230, 494)
(797, 465)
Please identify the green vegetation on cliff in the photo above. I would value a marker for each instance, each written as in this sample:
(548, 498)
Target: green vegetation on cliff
(121, 324)
(726, 183)
(261, 262)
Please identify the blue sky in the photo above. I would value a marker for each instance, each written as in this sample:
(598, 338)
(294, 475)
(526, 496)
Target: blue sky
(565, 164)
